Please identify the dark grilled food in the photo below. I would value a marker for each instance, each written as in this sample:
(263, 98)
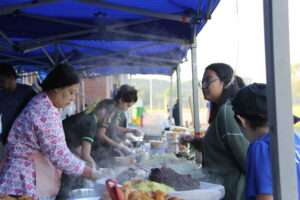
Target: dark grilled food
(171, 178)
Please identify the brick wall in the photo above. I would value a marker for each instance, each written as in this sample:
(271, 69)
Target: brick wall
(95, 89)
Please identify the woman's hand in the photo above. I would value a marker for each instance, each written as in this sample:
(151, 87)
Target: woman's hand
(91, 164)
(96, 174)
(124, 149)
(137, 132)
(92, 173)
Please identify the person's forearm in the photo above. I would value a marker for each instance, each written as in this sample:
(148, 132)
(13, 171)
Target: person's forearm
(89, 160)
(110, 141)
(102, 135)
(125, 130)
(86, 148)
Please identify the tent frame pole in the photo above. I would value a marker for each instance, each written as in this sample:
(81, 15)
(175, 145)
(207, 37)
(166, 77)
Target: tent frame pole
(118, 29)
(195, 82)
(25, 59)
(279, 99)
(48, 56)
(7, 39)
(169, 104)
(140, 11)
(31, 45)
(125, 52)
(110, 52)
(115, 64)
(12, 8)
(56, 20)
(179, 93)
(146, 36)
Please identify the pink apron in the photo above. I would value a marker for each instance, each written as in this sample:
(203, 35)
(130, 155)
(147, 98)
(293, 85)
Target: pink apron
(47, 176)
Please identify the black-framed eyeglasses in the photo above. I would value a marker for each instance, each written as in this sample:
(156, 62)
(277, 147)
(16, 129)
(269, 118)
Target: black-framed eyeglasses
(206, 83)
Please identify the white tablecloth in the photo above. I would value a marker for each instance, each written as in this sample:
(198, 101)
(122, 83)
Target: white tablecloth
(207, 191)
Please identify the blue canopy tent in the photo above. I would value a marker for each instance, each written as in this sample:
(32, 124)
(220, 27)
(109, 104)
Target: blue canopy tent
(51, 29)
(103, 36)
(102, 57)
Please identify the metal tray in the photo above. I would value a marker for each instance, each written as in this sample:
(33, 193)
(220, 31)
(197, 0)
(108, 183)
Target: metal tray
(84, 194)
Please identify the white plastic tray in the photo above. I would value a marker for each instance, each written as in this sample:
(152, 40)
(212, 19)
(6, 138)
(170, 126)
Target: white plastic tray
(207, 191)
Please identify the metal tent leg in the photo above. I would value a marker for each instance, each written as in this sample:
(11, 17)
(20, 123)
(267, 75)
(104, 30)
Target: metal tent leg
(179, 94)
(279, 99)
(195, 84)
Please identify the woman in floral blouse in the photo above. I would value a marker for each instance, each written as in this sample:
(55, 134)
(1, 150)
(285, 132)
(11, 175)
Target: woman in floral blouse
(36, 150)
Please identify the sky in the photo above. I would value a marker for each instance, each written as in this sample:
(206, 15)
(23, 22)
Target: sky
(235, 35)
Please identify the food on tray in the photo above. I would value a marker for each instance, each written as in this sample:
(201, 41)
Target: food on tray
(178, 128)
(131, 173)
(171, 178)
(138, 195)
(148, 186)
(171, 135)
(157, 160)
(15, 198)
(174, 198)
(156, 144)
(143, 190)
(159, 195)
(135, 194)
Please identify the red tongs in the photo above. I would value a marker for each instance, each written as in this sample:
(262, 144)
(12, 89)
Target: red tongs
(114, 191)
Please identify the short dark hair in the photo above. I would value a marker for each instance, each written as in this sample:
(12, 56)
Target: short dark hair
(7, 70)
(127, 94)
(251, 104)
(62, 75)
(107, 104)
(256, 121)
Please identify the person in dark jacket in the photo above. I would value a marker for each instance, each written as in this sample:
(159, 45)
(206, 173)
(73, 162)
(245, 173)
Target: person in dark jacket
(13, 97)
(175, 113)
(224, 147)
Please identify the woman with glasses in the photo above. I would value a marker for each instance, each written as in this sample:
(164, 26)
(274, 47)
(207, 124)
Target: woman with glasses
(224, 147)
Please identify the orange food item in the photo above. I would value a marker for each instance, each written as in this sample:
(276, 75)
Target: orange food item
(174, 198)
(132, 194)
(15, 198)
(159, 195)
(138, 195)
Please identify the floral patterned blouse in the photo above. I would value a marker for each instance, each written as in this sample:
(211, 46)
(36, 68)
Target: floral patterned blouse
(38, 128)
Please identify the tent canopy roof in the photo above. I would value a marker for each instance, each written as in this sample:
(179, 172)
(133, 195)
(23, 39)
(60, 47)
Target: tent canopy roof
(100, 36)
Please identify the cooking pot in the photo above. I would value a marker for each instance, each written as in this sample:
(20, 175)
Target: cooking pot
(84, 194)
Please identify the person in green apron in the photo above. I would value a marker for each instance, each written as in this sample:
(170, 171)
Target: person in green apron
(80, 132)
(110, 140)
(224, 147)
